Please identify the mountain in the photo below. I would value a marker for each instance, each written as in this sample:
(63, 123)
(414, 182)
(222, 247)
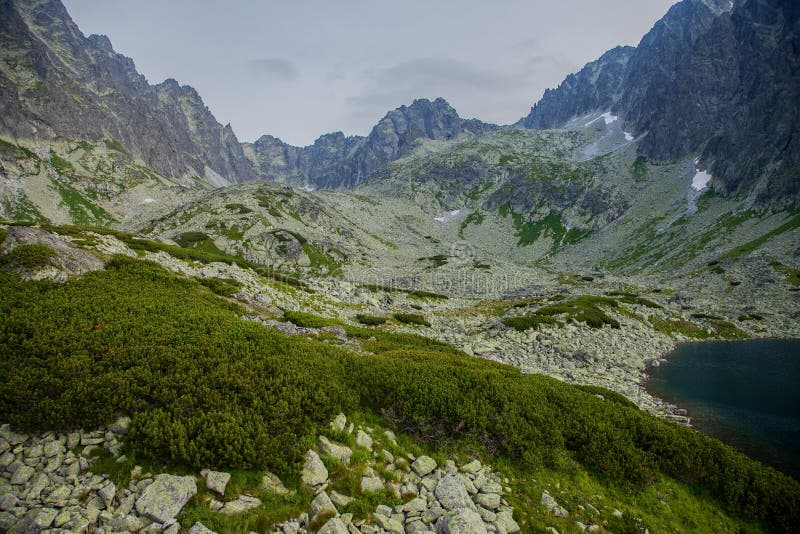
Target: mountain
(57, 83)
(597, 86)
(711, 79)
(335, 161)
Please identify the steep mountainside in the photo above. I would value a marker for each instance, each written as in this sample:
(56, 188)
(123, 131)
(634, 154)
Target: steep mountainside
(57, 83)
(335, 161)
(711, 79)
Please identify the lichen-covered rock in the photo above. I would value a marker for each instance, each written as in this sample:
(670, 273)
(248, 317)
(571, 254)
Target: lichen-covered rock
(314, 471)
(423, 465)
(166, 496)
(461, 521)
(216, 481)
(452, 495)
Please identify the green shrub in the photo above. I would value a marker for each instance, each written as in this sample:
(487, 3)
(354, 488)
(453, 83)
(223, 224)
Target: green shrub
(3, 235)
(370, 320)
(412, 318)
(28, 257)
(221, 286)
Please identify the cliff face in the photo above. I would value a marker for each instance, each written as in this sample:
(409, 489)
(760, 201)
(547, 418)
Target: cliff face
(335, 161)
(711, 79)
(55, 82)
(597, 86)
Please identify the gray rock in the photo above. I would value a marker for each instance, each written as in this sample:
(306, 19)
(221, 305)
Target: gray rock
(490, 501)
(333, 526)
(322, 505)
(45, 518)
(22, 474)
(471, 468)
(417, 505)
(451, 494)
(314, 471)
(217, 481)
(52, 448)
(340, 452)
(364, 440)
(120, 426)
(461, 521)
(272, 484)
(371, 484)
(423, 465)
(389, 524)
(165, 498)
(340, 500)
(240, 505)
(506, 522)
(200, 528)
(107, 493)
(552, 506)
(339, 422)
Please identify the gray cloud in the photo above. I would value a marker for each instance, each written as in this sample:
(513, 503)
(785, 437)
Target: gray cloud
(274, 69)
(433, 77)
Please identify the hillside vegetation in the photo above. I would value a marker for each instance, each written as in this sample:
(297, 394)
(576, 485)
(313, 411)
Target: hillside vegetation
(206, 388)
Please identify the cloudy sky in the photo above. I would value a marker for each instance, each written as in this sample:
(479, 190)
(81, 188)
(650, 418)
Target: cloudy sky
(297, 69)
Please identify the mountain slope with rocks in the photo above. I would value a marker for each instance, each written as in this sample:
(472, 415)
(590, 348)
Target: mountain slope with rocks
(724, 75)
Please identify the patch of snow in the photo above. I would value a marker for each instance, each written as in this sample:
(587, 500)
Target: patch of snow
(730, 5)
(607, 117)
(700, 180)
(440, 219)
(454, 213)
(628, 136)
(307, 188)
(149, 200)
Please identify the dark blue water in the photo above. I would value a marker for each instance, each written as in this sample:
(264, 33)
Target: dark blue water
(745, 393)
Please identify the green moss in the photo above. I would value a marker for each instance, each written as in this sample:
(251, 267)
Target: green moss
(529, 321)
(370, 320)
(791, 224)
(61, 165)
(322, 262)
(436, 261)
(81, 210)
(639, 168)
(792, 274)
(240, 209)
(28, 257)
(476, 218)
(677, 325)
(221, 286)
(411, 318)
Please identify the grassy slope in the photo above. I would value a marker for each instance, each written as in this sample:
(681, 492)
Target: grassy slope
(208, 389)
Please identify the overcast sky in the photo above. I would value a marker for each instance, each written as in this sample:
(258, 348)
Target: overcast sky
(300, 68)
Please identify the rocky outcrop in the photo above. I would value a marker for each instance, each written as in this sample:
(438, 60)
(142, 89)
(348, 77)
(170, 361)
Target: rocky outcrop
(57, 83)
(714, 79)
(597, 86)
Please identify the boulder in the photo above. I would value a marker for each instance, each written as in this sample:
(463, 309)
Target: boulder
(552, 506)
(314, 471)
(393, 525)
(423, 465)
(340, 452)
(216, 481)
(461, 521)
(333, 526)
(322, 506)
(272, 484)
(200, 528)
(364, 440)
(452, 495)
(339, 422)
(240, 505)
(371, 484)
(471, 468)
(165, 497)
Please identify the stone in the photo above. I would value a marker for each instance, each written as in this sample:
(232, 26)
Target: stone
(364, 440)
(340, 500)
(552, 506)
(505, 521)
(389, 524)
(333, 526)
(22, 474)
(451, 494)
(240, 505)
(165, 498)
(121, 425)
(314, 471)
(461, 521)
(417, 505)
(388, 457)
(8, 501)
(423, 465)
(490, 501)
(45, 518)
(7, 459)
(322, 506)
(200, 528)
(340, 452)
(471, 468)
(371, 484)
(107, 493)
(416, 527)
(339, 422)
(126, 523)
(217, 481)
(64, 517)
(272, 484)
(52, 448)
(35, 452)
